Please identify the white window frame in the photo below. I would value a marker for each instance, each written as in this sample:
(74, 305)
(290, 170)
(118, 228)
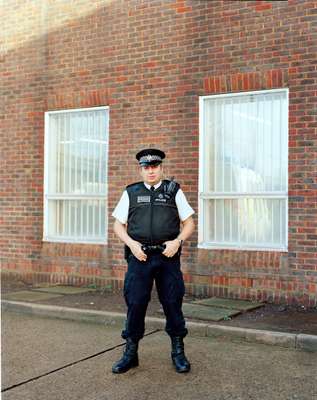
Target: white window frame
(47, 197)
(202, 196)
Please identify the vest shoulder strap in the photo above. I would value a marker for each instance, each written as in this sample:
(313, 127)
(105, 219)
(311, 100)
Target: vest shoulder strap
(134, 186)
(170, 187)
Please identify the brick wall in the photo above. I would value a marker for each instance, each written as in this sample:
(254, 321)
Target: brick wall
(150, 61)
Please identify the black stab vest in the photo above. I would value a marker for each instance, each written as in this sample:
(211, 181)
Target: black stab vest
(153, 216)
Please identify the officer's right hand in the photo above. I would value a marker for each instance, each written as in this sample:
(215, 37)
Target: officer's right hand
(137, 251)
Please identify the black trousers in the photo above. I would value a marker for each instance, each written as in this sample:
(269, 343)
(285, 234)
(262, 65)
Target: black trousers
(138, 285)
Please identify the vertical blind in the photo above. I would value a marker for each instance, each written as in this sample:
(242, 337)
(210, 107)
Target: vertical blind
(76, 177)
(244, 174)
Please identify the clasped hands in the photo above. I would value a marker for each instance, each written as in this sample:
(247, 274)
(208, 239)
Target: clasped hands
(171, 249)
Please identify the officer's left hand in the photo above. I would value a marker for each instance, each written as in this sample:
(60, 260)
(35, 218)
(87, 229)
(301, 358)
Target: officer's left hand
(171, 248)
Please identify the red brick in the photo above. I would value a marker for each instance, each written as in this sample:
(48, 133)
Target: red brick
(263, 5)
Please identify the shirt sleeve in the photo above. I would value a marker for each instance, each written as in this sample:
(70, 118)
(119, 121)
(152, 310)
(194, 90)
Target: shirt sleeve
(122, 208)
(184, 209)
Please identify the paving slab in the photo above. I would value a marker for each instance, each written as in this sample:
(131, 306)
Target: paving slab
(207, 313)
(229, 303)
(29, 295)
(63, 289)
(34, 345)
(221, 369)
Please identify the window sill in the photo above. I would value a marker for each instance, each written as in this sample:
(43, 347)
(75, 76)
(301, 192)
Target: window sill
(244, 248)
(73, 241)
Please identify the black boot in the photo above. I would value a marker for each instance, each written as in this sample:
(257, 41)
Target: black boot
(129, 359)
(178, 356)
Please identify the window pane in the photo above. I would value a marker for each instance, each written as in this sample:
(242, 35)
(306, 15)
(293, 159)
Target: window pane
(80, 219)
(77, 152)
(246, 143)
(250, 222)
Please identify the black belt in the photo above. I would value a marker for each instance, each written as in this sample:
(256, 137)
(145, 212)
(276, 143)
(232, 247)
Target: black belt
(156, 248)
(149, 249)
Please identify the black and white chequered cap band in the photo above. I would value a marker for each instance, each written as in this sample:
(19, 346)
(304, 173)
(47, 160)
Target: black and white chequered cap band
(149, 158)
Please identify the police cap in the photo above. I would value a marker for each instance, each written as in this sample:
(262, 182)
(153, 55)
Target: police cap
(150, 156)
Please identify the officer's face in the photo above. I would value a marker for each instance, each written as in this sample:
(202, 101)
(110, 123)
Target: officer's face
(151, 174)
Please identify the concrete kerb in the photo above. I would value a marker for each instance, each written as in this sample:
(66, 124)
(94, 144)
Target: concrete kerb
(255, 335)
(306, 342)
(284, 339)
(74, 314)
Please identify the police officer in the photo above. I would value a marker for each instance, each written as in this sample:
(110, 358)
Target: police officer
(148, 219)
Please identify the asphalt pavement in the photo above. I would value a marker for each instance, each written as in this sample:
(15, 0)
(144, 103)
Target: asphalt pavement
(47, 358)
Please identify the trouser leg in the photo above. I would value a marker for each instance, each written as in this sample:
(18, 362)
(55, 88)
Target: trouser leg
(171, 289)
(137, 293)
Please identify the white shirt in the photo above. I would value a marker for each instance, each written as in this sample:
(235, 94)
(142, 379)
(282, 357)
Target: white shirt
(122, 208)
